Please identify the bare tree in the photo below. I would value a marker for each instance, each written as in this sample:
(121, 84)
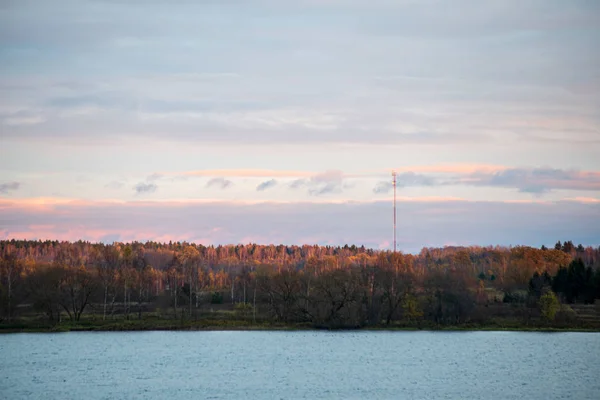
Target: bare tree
(77, 286)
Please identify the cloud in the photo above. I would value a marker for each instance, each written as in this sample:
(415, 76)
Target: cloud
(221, 183)
(423, 223)
(329, 187)
(143, 187)
(405, 179)
(330, 181)
(266, 185)
(23, 119)
(9, 187)
(331, 89)
(536, 180)
(298, 183)
(383, 187)
(303, 175)
(346, 79)
(589, 200)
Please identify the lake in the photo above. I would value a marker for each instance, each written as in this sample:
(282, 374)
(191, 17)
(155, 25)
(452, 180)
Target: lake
(300, 365)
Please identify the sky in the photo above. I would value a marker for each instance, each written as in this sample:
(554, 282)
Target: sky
(262, 121)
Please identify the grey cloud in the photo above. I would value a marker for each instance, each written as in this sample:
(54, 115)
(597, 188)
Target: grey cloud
(143, 187)
(112, 99)
(298, 183)
(318, 98)
(265, 125)
(221, 183)
(482, 19)
(7, 187)
(423, 224)
(330, 187)
(537, 180)
(266, 185)
(331, 181)
(382, 187)
(155, 177)
(23, 118)
(405, 179)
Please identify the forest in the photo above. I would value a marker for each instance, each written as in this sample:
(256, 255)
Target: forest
(52, 285)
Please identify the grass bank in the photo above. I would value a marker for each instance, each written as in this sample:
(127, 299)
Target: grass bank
(208, 324)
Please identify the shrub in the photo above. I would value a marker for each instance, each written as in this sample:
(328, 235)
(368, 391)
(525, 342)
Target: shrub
(549, 305)
(516, 296)
(216, 298)
(566, 314)
(243, 309)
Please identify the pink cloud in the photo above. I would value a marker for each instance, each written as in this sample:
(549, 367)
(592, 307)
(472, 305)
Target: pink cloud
(425, 221)
(57, 204)
(588, 200)
(384, 245)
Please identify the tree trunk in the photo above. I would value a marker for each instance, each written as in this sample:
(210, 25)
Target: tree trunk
(112, 304)
(105, 298)
(140, 302)
(191, 291)
(9, 293)
(128, 303)
(175, 301)
(125, 301)
(254, 305)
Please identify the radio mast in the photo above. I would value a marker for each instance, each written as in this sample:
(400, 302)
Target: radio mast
(394, 185)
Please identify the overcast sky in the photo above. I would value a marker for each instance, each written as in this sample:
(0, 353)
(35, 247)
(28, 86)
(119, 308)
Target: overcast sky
(280, 122)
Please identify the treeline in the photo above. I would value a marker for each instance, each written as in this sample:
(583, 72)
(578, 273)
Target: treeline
(320, 286)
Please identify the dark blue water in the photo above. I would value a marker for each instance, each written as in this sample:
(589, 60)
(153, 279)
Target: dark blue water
(300, 365)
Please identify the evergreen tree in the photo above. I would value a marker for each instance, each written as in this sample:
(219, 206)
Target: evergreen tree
(568, 247)
(538, 283)
(577, 280)
(560, 283)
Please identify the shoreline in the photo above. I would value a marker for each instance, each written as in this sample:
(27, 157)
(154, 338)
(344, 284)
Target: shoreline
(138, 327)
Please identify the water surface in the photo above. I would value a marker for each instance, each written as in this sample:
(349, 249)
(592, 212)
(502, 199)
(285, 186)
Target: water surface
(300, 365)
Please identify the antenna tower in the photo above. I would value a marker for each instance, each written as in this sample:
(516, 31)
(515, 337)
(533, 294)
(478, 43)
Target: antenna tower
(394, 185)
